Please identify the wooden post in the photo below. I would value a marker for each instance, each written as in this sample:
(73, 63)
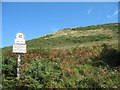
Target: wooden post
(18, 66)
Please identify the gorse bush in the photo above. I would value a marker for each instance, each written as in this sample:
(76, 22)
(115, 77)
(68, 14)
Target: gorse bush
(108, 56)
(113, 27)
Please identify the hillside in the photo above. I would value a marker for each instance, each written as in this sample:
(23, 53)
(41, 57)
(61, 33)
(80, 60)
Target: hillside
(82, 57)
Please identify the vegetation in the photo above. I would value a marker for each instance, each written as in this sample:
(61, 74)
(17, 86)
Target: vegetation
(83, 57)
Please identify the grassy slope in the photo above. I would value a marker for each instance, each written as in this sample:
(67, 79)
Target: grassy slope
(75, 36)
(74, 57)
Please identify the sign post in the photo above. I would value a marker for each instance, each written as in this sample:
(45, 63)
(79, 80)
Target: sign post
(19, 47)
(18, 66)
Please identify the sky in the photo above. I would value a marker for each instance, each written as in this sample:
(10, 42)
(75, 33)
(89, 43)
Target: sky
(36, 19)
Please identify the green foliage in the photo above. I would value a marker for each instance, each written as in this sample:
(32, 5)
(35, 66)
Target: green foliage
(9, 66)
(108, 56)
(46, 65)
(69, 69)
(41, 73)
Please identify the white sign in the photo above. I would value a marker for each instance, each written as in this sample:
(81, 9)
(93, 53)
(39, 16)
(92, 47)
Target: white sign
(20, 35)
(19, 38)
(19, 41)
(19, 48)
(19, 45)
